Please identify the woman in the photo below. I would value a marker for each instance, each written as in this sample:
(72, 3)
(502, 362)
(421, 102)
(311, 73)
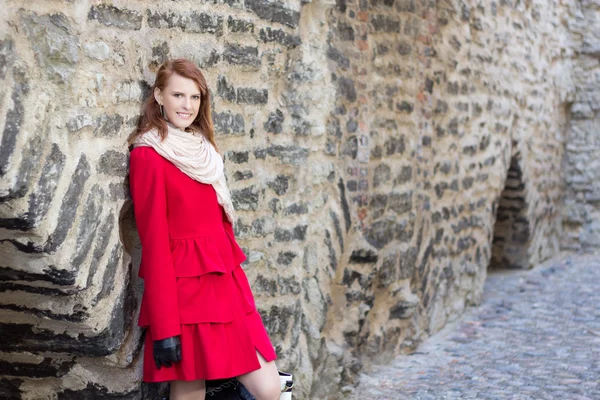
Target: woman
(197, 304)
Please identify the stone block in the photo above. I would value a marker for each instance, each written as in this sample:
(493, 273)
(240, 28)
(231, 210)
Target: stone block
(274, 12)
(385, 23)
(245, 199)
(274, 123)
(252, 96)
(117, 17)
(346, 88)
(114, 163)
(293, 155)
(280, 184)
(269, 35)
(70, 204)
(241, 55)
(239, 26)
(228, 123)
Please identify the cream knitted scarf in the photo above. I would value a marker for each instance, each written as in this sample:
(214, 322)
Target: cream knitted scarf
(195, 156)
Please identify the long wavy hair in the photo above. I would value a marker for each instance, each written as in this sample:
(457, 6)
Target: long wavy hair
(151, 117)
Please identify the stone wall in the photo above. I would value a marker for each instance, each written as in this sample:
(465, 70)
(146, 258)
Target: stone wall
(582, 161)
(369, 146)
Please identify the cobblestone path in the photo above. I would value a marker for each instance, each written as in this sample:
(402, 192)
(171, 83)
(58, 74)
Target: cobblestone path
(536, 335)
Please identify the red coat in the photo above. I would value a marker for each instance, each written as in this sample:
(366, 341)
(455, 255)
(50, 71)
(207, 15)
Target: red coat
(184, 233)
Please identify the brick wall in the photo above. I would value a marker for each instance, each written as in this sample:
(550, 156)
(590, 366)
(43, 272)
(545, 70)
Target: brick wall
(380, 155)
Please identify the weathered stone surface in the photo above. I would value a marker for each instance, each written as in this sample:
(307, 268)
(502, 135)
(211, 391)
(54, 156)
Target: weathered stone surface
(277, 35)
(225, 90)
(108, 125)
(12, 126)
(117, 17)
(280, 184)
(245, 199)
(241, 55)
(69, 206)
(274, 12)
(194, 22)
(346, 88)
(252, 96)
(238, 25)
(288, 154)
(54, 42)
(275, 122)
(90, 221)
(228, 123)
(113, 163)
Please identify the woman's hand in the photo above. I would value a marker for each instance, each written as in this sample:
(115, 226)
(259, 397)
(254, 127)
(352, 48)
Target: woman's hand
(167, 351)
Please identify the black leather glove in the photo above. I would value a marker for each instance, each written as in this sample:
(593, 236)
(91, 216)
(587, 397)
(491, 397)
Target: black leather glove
(167, 351)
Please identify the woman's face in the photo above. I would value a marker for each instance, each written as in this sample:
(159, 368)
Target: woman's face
(180, 100)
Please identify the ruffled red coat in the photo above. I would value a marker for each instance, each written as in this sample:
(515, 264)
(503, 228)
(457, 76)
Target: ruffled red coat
(194, 285)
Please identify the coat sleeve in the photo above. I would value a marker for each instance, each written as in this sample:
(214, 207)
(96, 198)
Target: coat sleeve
(147, 185)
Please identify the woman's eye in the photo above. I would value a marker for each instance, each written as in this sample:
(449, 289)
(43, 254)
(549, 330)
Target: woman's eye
(177, 95)
(196, 97)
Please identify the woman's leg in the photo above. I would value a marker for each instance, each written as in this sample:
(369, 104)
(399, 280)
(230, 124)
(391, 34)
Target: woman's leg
(264, 382)
(188, 390)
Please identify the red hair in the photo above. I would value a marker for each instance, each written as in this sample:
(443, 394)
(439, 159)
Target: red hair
(151, 117)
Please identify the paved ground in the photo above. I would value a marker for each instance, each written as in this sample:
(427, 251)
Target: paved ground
(536, 335)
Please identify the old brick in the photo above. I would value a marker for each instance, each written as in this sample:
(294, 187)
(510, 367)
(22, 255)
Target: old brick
(294, 155)
(238, 25)
(228, 123)
(41, 198)
(194, 22)
(245, 199)
(12, 126)
(404, 176)
(296, 209)
(380, 233)
(280, 184)
(345, 32)
(117, 17)
(89, 222)
(275, 122)
(225, 90)
(102, 240)
(252, 96)
(350, 147)
(7, 55)
(337, 56)
(377, 205)
(269, 35)
(113, 163)
(242, 175)
(407, 262)
(288, 285)
(381, 175)
(241, 55)
(286, 258)
(405, 106)
(394, 144)
(274, 12)
(404, 48)
(346, 88)
(264, 285)
(108, 125)
(70, 203)
(385, 23)
(400, 202)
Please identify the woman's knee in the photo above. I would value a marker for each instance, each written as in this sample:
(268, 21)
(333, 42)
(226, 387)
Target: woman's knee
(269, 390)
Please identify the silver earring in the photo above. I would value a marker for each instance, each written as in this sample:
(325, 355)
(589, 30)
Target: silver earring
(162, 112)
